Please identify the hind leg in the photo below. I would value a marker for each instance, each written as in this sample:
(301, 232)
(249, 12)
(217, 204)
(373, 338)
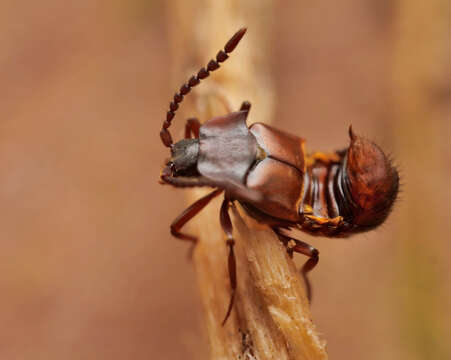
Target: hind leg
(294, 245)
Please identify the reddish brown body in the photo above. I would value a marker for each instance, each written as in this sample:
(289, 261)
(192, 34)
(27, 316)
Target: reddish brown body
(269, 172)
(260, 166)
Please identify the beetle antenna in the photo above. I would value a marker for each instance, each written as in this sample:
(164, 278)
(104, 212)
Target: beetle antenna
(222, 56)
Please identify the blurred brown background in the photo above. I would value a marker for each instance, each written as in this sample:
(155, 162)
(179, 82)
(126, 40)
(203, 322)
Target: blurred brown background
(88, 268)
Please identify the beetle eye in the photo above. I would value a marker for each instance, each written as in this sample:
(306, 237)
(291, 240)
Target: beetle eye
(373, 181)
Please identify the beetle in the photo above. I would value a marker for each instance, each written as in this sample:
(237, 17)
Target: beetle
(276, 181)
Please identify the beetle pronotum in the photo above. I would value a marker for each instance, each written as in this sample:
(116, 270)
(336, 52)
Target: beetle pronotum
(268, 171)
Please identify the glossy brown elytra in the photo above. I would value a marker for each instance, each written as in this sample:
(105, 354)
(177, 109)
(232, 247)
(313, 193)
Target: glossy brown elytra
(268, 171)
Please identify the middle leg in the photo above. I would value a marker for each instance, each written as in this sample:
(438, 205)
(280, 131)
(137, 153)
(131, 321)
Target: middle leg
(188, 214)
(192, 127)
(245, 106)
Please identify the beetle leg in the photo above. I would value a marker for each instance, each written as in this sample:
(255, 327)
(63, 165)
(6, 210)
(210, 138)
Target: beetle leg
(245, 106)
(188, 214)
(226, 225)
(317, 222)
(192, 127)
(325, 158)
(298, 246)
(184, 181)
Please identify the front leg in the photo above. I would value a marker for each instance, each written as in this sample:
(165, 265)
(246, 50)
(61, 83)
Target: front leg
(227, 227)
(187, 215)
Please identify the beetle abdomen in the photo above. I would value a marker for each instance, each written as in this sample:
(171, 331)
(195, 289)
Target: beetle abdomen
(319, 196)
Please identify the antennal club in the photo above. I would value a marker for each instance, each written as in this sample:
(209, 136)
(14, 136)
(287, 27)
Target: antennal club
(194, 80)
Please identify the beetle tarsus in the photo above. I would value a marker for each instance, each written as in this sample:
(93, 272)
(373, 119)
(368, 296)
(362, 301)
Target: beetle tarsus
(294, 245)
(308, 266)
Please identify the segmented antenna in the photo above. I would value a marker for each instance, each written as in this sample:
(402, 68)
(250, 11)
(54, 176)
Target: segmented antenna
(222, 56)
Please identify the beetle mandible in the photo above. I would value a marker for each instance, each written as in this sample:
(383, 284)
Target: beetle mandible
(269, 172)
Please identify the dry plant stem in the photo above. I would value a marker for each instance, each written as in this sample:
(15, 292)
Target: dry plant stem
(271, 318)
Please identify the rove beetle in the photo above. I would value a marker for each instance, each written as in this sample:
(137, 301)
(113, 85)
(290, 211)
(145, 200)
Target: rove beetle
(269, 172)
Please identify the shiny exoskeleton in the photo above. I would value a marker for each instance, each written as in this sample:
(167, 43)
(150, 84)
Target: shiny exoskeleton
(269, 172)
